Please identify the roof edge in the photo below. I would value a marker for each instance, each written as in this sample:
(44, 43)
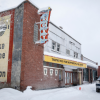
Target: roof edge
(64, 32)
(18, 6)
(90, 60)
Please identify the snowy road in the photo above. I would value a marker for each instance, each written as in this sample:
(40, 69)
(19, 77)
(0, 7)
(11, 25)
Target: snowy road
(87, 92)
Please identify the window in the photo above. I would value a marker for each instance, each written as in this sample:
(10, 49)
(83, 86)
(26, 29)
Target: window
(56, 72)
(55, 65)
(50, 64)
(78, 50)
(68, 77)
(35, 32)
(76, 55)
(53, 45)
(58, 47)
(44, 63)
(68, 52)
(45, 71)
(51, 72)
(59, 66)
(60, 74)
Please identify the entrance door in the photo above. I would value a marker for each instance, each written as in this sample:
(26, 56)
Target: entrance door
(68, 78)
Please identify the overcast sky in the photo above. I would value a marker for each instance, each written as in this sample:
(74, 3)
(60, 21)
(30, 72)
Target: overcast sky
(79, 18)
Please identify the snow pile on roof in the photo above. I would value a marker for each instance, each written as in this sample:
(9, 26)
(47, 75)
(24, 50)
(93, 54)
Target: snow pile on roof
(43, 9)
(14, 5)
(91, 64)
(69, 58)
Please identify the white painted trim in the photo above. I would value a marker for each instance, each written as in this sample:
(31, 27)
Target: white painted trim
(53, 67)
(56, 74)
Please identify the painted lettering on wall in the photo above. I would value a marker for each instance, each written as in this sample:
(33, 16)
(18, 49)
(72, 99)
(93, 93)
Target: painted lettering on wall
(2, 74)
(4, 46)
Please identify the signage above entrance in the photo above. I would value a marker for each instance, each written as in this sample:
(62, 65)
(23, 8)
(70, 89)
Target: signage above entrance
(64, 61)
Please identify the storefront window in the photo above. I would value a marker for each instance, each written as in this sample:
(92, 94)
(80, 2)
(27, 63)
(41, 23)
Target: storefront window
(86, 74)
(60, 74)
(44, 63)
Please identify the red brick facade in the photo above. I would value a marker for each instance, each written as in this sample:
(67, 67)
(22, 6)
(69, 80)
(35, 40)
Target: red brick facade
(32, 54)
(32, 71)
(98, 71)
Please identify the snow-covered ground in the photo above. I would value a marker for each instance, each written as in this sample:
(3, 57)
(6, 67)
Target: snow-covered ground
(87, 92)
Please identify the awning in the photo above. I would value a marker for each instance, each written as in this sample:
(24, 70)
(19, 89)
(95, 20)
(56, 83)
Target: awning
(89, 64)
(59, 59)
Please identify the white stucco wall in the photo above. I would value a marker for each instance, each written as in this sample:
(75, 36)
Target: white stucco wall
(63, 39)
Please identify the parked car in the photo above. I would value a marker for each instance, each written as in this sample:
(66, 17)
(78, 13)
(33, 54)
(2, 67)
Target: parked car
(98, 84)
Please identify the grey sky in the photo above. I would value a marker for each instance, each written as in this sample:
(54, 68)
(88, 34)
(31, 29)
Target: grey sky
(79, 18)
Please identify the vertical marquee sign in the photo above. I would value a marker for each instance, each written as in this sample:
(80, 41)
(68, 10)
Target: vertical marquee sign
(44, 24)
(4, 46)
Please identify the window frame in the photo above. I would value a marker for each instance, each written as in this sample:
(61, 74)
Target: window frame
(54, 45)
(58, 47)
(44, 71)
(60, 75)
(50, 72)
(56, 74)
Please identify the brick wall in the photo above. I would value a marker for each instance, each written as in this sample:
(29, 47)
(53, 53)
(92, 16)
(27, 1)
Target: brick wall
(98, 71)
(32, 54)
(32, 71)
(52, 81)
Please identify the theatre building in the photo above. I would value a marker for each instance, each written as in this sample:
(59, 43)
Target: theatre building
(90, 73)
(63, 50)
(23, 62)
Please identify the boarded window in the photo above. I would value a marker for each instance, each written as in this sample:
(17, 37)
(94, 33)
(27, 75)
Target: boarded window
(35, 33)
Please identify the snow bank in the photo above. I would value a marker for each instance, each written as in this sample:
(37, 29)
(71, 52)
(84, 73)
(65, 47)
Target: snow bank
(87, 92)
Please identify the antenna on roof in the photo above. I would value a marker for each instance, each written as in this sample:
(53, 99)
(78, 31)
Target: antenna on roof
(60, 27)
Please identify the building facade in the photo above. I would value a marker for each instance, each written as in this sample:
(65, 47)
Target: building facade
(90, 73)
(61, 45)
(24, 63)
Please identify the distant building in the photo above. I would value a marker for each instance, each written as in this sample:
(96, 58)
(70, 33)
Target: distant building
(90, 73)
